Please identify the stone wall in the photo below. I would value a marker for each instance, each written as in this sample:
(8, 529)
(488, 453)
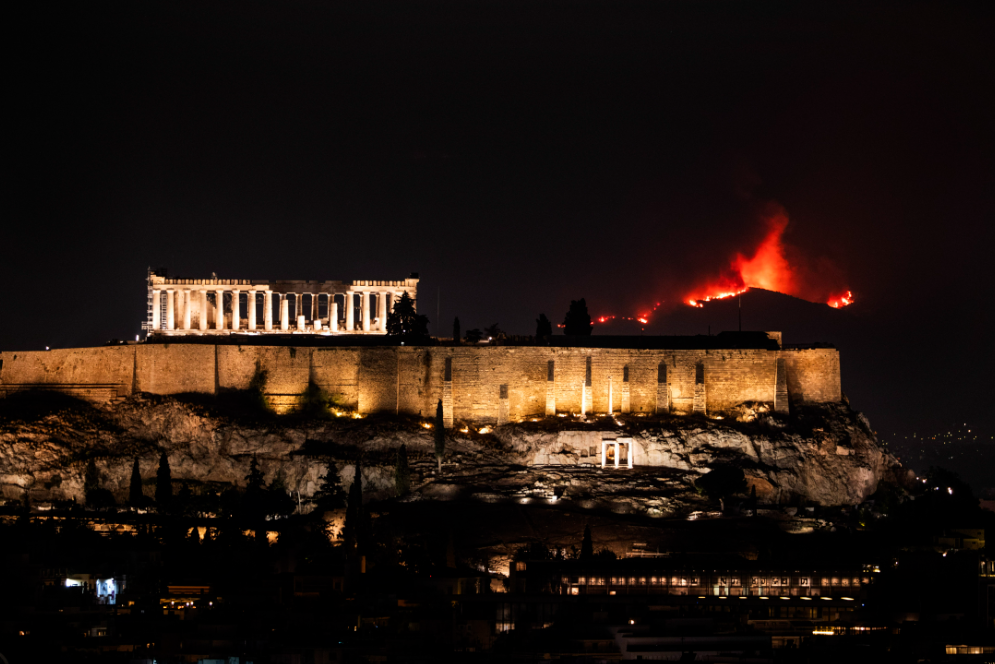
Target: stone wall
(488, 383)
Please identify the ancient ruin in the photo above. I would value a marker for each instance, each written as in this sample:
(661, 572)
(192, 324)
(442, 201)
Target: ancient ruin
(179, 307)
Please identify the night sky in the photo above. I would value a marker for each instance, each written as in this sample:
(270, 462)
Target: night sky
(518, 156)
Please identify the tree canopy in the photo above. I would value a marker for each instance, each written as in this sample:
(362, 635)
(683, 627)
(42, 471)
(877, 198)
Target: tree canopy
(404, 320)
(544, 327)
(577, 322)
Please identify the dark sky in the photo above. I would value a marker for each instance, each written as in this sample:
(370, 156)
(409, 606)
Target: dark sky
(517, 156)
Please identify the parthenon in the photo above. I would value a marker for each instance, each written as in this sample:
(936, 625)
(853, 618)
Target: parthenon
(216, 306)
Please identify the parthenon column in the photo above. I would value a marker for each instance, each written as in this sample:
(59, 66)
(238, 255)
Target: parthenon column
(314, 306)
(284, 312)
(268, 310)
(236, 310)
(186, 308)
(170, 315)
(156, 306)
(203, 310)
(333, 313)
(365, 302)
(219, 311)
(350, 312)
(250, 302)
(382, 311)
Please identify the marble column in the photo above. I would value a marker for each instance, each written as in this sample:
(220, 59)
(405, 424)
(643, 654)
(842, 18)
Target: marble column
(382, 310)
(219, 311)
(284, 312)
(203, 310)
(268, 310)
(314, 306)
(170, 314)
(186, 308)
(333, 314)
(236, 310)
(350, 312)
(250, 302)
(365, 303)
(156, 308)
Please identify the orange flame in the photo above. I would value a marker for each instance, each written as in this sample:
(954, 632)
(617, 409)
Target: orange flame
(768, 268)
(840, 301)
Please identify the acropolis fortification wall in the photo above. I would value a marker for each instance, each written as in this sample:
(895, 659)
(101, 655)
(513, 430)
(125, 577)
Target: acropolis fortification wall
(481, 384)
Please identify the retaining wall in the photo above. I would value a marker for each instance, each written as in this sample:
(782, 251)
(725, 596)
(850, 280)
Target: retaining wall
(488, 383)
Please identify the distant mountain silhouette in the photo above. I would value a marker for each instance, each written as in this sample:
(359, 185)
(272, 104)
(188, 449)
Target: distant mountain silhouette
(802, 322)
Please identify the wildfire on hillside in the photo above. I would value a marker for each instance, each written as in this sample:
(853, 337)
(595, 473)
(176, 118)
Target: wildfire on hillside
(769, 267)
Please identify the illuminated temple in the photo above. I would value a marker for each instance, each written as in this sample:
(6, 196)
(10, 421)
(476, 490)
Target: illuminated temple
(214, 306)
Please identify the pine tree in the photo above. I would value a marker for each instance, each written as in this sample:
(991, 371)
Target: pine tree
(404, 320)
(402, 473)
(577, 322)
(136, 497)
(440, 435)
(587, 545)
(163, 483)
(456, 330)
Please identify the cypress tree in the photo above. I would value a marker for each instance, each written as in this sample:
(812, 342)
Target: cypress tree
(163, 483)
(135, 494)
(354, 513)
(587, 545)
(440, 435)
(402, 473)
(456, 330)
(91, 478)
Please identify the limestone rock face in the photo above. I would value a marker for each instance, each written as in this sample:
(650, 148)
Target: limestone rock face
(47, 456)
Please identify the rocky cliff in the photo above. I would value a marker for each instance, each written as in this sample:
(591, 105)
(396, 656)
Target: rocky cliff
(825, 455)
